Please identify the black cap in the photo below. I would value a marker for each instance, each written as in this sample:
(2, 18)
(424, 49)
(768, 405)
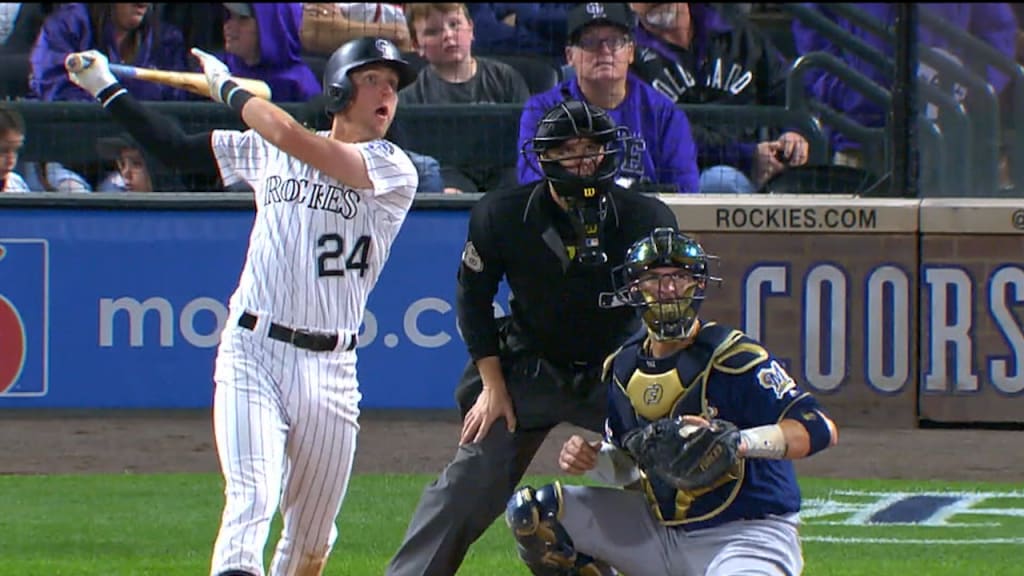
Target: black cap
(110, 147)
(582, 15)
(241, 9)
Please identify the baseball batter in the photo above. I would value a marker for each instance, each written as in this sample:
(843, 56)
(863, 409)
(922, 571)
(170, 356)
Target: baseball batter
(691, 380)
(329, 206)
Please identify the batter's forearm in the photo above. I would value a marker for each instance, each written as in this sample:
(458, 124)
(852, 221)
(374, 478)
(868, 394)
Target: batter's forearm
(342, 161)
(268, 120)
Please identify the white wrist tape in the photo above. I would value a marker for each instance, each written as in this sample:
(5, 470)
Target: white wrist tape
(764, 442)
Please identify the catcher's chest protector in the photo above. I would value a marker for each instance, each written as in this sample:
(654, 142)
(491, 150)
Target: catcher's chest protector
(676, 385)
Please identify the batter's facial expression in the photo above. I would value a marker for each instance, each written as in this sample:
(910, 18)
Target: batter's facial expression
(444, 37)
(132, 167)
(10, 146)
(376, 98)
(241, 37)
(129, 16)
(603, 53)
(580, 156)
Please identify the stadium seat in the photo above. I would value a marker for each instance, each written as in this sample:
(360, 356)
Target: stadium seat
(540, 73)
(826, 179)
(317, 64)
(14, 71)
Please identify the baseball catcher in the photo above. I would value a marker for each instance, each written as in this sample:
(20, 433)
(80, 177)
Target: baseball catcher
(702, 427)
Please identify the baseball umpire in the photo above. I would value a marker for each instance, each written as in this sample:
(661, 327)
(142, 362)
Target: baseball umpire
(703, 423)
(555, 241)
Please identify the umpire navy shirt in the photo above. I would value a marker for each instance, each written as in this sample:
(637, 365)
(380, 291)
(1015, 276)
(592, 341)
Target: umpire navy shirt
(521, 235)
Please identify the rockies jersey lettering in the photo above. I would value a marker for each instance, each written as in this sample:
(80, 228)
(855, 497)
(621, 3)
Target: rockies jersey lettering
(317, 246)
(315, 195)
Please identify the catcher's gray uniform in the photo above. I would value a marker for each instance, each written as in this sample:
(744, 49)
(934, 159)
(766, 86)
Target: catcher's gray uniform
(745, 522)
(617, 526)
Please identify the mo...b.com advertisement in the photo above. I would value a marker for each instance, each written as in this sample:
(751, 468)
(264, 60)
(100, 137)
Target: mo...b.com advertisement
(124, 308)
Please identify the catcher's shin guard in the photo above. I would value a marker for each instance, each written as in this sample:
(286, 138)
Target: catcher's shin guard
(544, 545)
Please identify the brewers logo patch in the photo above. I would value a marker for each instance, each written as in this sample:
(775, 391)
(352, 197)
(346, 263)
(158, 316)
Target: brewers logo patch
(471, 259)
(775, 378)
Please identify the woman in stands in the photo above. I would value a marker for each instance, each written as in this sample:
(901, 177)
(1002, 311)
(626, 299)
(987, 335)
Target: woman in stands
(127, 33)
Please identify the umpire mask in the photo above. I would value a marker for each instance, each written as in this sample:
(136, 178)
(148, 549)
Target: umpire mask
(580, 151)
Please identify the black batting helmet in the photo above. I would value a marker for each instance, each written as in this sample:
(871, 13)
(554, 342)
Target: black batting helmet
(353, 55)
(578, 119)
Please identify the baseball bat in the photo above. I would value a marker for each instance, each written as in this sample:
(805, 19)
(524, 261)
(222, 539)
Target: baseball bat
(193, 82)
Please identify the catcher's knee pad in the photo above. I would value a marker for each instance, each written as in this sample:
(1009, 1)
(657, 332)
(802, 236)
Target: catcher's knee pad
(544, 545)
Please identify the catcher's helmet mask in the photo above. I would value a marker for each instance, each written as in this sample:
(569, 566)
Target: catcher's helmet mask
(355, 55)
(668, 314)
(585, 195)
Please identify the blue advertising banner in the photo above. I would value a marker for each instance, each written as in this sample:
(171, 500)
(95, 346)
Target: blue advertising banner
(123, 308)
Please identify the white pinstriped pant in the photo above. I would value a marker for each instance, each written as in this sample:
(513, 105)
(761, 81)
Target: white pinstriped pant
(285, 423)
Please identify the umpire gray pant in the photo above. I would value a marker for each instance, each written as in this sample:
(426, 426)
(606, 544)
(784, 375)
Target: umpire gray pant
(474, 488)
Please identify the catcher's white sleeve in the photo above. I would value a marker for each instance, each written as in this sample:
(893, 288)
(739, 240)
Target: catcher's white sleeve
(614, 467)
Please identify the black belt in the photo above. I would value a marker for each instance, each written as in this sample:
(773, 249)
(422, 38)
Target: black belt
(318, 342)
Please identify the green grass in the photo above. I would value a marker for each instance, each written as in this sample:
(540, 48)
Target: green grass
(138, 525)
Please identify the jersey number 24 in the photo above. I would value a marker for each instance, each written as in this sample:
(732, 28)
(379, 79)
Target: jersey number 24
(327, 261)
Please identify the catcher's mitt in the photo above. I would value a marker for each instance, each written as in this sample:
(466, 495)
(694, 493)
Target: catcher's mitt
(688, 457)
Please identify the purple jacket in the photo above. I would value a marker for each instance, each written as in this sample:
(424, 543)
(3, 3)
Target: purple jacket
(995, 23)
(663, 151)
(68, 29)
(281, 65)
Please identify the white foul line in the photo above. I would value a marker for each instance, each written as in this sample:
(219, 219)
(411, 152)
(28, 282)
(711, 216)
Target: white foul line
(946, 542)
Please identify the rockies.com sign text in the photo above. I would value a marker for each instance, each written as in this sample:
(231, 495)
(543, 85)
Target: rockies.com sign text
(789, 218)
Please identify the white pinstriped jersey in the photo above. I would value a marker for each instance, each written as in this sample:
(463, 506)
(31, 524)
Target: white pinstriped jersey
(317, 246)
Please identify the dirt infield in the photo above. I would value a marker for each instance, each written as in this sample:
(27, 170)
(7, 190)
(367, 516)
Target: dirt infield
(419, 442)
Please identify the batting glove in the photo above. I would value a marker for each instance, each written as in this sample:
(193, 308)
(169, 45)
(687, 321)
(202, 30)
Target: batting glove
(95, 75)
(216, 72)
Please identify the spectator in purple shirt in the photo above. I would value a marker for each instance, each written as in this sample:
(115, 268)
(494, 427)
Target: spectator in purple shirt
(127, 33)
(662, 153)
(262, 41)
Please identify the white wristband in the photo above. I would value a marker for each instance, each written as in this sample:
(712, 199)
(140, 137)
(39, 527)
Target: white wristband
(763, 442)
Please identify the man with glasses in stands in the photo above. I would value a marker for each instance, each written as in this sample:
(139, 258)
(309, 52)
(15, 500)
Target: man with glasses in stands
(662, 155)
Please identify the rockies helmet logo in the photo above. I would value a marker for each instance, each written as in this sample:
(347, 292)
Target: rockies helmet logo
(385, 48)
(595, 9)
